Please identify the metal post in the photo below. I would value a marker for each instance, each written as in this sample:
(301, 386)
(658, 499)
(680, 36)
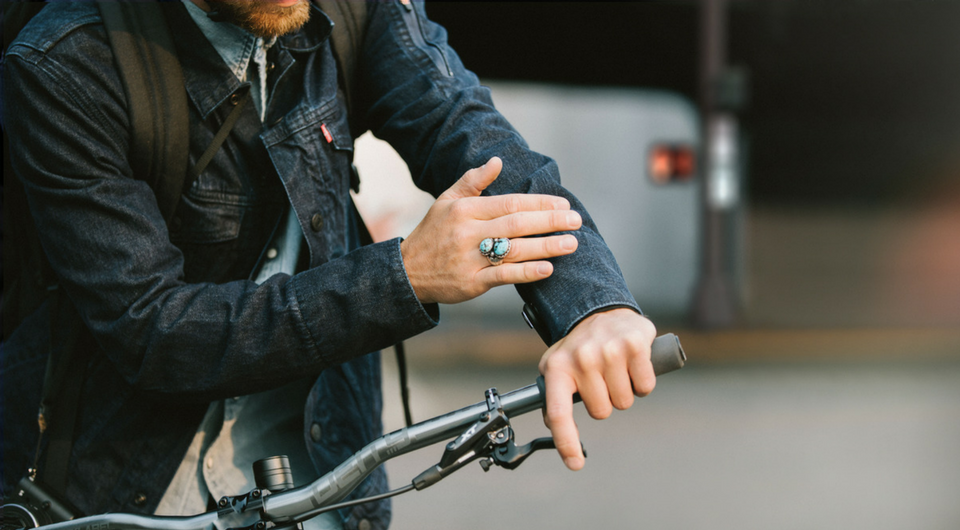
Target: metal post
(716, 303)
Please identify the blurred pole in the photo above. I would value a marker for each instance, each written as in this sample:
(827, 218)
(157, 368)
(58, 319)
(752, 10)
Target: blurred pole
(716, 303)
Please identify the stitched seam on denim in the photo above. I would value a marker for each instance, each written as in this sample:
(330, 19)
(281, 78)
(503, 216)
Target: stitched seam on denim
(596, 309)
(222, 198)
(64, 31)
(81, 98)
(302, 325)
(304, 120)
(425, 64)
(444, 62)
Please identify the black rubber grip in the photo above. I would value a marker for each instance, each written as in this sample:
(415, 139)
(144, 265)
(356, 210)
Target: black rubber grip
(666, 354)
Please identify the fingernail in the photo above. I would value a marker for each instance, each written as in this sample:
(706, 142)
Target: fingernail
(544, 269)
(573, 218)
(568, 243)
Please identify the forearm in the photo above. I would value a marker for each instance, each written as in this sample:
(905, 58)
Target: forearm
(444, 125)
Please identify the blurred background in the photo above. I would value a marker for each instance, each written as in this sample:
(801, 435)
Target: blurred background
(780, 181)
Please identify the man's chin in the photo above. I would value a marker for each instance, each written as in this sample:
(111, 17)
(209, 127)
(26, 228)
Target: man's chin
(266, 18)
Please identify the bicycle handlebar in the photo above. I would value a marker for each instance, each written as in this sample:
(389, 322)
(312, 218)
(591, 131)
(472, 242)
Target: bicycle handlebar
(289, 506)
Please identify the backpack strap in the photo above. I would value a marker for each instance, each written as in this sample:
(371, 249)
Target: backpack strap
(153, 81)
(150, 72)
(351, 19)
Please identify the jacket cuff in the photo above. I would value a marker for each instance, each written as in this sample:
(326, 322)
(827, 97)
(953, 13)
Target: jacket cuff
(586, 282)
(359, 303)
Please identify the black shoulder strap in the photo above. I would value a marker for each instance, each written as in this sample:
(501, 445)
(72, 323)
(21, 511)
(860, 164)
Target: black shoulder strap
(153, 81)
(349, 29)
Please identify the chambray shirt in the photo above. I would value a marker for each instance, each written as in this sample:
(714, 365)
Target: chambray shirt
(236, 432)
(173, 313)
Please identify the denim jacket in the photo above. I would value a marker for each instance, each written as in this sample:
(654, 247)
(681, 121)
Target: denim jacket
(176, 319)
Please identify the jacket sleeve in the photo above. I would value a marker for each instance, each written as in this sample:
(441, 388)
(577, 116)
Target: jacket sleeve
(104, 236)
(433, 111)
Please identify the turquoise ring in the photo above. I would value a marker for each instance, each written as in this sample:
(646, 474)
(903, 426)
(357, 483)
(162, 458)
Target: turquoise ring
(495, 249)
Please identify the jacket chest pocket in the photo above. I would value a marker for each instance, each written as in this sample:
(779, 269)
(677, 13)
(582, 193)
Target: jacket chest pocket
(312, 151)
(204, 217)
(332, 150)
(221, 235)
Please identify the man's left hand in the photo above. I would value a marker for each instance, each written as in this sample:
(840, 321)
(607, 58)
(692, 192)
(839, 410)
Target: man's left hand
(606, 358)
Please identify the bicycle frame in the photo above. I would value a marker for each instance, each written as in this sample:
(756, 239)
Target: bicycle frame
(278, 509)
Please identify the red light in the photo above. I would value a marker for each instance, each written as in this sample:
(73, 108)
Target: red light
(671, 163)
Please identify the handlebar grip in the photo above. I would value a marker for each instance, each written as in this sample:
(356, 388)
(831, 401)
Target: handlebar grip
(666, 355)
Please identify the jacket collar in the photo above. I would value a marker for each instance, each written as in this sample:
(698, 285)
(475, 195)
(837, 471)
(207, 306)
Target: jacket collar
(209, 81)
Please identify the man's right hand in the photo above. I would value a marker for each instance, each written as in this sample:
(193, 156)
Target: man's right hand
(442, 256)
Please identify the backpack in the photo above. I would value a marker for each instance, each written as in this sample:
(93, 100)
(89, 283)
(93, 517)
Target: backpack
(152, 79)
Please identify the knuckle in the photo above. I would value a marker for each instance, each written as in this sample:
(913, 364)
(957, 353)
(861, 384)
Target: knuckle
(460, 208)
(613, 352)
(600, 411)
(515, 223)
(622, 402)
(551, 245)
(500, 275)
(552, 363)
(530, 272)
(565, 446)
(588, 359)
(512, 204)
(645, 386)
(555, 416)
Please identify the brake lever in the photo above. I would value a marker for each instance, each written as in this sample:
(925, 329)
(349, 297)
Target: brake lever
(479, 441)
(510, 456)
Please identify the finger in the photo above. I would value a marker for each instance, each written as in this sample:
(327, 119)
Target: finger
(596, 397)
(540, 248)
(473, 182)
(642, 375)
(559, 418)
(524, 224)
(618, 379)
(501, 205)
(513, 273)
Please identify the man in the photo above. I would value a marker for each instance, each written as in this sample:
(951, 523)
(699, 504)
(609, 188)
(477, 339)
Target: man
(259, 286)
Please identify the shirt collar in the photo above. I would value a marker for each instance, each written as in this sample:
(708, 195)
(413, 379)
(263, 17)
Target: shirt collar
(207, 77)
(235, 45)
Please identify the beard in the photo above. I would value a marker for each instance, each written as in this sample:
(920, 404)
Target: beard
(263, 18)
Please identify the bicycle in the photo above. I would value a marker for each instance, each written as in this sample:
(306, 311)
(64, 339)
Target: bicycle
(483, 432)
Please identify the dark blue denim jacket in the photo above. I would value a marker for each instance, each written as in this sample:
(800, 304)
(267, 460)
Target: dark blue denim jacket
(176, 320)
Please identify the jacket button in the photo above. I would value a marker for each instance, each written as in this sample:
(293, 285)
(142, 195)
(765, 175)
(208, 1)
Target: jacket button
(364, 524)
(234, 99)
(315, 432)
(139, 499)
(316, 222)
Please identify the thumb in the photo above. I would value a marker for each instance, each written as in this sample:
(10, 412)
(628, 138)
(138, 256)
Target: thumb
(473, 182)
